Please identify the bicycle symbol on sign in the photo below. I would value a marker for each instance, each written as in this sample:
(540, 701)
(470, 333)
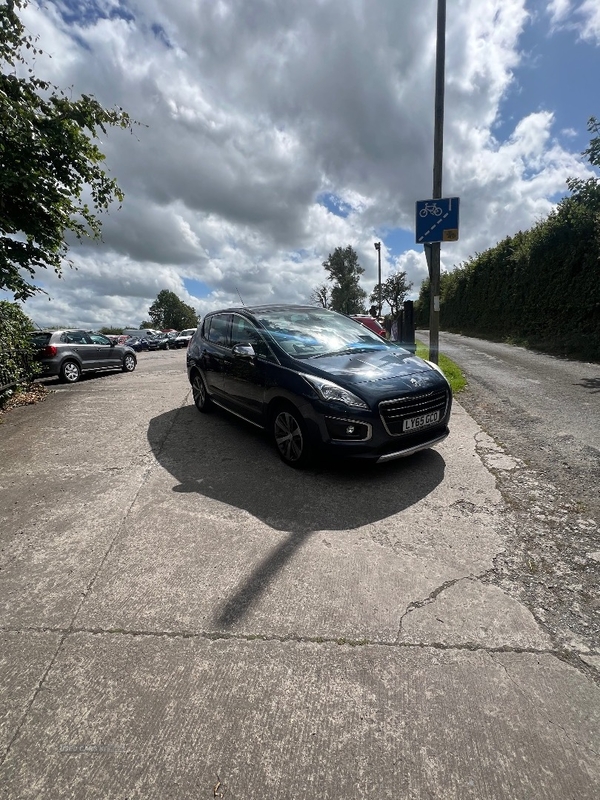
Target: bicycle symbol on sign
(430, 208)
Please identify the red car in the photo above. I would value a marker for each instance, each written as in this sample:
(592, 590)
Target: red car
(369, 322)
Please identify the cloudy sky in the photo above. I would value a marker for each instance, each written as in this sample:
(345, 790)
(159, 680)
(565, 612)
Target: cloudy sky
(274, 131)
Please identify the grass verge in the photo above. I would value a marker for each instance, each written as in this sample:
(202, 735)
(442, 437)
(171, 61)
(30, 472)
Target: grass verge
(451, 370)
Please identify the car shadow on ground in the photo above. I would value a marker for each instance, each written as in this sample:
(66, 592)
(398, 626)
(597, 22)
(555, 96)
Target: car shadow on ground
(223, 458)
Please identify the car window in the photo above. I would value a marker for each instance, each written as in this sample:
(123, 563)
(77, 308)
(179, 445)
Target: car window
(97, 338)
(76, 337)
(219, 329)
(40, 340)
(244, 332)
(306, 333)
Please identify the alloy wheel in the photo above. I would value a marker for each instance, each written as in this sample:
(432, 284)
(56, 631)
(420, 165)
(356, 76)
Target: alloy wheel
(71, 372)
(289, 437)
(199, 393)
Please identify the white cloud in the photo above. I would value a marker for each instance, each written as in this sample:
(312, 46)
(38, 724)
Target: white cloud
(252, 112)
(559, 10)
(590, 11)
(583, 17)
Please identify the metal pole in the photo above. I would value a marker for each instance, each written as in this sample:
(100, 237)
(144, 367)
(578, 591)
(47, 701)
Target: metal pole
(378, 248)
(438, 151)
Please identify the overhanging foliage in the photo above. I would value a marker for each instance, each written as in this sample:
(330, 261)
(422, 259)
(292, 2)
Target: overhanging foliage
(16, 351)
(49, 163)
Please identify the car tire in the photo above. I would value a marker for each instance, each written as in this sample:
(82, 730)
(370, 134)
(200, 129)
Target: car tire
(70, 372)
(200, 394)
(289, 433)
(129, 363)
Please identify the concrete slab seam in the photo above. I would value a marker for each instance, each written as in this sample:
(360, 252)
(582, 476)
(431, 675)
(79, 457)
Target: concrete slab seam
(324, 640)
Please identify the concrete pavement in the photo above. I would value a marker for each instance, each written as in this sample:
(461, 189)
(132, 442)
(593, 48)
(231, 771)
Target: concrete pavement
(182, 616)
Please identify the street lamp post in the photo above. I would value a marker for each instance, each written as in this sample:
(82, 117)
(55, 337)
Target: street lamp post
(378, 248)
(438, 149)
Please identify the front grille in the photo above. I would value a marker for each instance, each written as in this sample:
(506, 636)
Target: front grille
(394, 412)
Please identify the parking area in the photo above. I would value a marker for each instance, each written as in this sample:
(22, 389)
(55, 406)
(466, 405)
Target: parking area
(183, 616)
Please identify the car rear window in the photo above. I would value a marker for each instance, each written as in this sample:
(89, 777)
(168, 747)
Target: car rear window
(41, 339)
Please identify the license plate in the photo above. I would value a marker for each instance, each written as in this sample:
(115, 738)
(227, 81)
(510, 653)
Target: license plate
(414, 423)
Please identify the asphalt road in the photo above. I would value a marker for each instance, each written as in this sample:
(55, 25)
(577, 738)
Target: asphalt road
(184, 617)
(545, 410)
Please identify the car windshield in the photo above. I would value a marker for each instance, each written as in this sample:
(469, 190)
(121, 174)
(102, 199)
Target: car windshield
(307, 333)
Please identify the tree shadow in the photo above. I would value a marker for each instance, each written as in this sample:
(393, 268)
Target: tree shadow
(592, 384)
(221, 457)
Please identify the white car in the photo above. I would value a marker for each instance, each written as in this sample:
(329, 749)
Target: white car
(183, 338)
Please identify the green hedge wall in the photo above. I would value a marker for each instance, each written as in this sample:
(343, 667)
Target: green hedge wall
(539, 287)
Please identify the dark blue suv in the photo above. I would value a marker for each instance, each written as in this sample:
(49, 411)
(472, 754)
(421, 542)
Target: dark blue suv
(316, 379)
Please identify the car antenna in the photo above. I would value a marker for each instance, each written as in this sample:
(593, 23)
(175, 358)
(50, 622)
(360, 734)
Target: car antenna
(239, 295)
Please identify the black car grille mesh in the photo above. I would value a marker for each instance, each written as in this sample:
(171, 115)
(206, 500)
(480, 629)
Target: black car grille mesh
(394, 412)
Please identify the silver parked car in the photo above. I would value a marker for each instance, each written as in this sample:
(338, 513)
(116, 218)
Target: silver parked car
(183, 338)
(70, 353)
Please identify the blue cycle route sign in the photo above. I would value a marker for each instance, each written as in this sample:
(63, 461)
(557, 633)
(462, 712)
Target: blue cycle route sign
(437, 220)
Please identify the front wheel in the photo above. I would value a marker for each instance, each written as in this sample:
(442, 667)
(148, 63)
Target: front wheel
(70, 372)
(291, 440)
(202, 400)
(129, 363)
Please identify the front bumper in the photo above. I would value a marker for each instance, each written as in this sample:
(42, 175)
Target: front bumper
(402, 453)
(380, 446)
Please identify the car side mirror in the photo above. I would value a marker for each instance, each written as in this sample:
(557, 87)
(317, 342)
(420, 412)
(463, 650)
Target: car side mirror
(243, 350)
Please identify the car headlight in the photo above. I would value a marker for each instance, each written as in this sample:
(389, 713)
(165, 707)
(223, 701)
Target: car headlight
(333, 393)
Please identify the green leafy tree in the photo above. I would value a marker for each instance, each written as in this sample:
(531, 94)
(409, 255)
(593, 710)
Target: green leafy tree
(347, 296)
(587, 192)
(14, 345)
(112, 330)
(168, 311)
(49, 163)
(393, 292)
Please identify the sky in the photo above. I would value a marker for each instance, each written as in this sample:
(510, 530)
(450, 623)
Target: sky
(273, 131)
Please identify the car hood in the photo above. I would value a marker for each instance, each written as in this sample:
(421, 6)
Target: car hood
(396, 367)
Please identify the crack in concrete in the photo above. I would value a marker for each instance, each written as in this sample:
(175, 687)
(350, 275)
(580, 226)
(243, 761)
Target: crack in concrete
(430, 599)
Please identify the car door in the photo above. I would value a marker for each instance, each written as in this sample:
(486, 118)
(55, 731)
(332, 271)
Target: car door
(244, 376)
(214, 349)
(80, 343)
(108, 356)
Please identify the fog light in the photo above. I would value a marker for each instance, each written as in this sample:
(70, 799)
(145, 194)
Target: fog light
(340, 430)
